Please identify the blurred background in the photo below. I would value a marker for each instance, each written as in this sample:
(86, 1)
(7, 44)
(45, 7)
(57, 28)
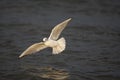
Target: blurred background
(93, 39)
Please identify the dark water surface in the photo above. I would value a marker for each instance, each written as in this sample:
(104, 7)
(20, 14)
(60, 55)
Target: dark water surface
(93, 39)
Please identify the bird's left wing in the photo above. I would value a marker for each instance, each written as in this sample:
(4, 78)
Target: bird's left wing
(56, 31)
(33, 48)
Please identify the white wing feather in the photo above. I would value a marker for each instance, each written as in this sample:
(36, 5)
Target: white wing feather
(33, 48)
(56, 31)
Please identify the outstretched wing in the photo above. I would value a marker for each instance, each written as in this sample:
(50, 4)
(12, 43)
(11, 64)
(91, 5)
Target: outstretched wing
(56, 31)
(33, 48)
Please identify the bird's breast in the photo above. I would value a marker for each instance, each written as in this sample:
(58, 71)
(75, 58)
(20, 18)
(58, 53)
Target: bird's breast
(51, 43)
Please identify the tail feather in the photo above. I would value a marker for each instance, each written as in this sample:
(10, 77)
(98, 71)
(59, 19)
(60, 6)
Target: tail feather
(60, 47)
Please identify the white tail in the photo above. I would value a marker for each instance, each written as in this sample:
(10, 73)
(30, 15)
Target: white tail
(60, 47)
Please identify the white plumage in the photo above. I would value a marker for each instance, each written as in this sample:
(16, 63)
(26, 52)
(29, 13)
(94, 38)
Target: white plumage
(58, 45)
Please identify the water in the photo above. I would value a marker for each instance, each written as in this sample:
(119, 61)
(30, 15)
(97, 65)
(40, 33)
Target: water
(93, 39)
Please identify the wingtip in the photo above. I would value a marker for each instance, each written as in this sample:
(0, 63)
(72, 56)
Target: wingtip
(21, 56)
(69, 19)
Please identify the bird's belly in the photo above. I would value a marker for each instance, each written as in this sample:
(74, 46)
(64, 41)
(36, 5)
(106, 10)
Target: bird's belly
(51, 43)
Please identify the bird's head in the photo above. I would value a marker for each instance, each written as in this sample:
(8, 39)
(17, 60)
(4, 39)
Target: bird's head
(44, 39)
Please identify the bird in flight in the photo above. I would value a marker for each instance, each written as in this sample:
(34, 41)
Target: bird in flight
(57, 45)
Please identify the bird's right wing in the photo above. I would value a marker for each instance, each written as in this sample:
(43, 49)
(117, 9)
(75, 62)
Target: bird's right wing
(33, 48)
(56, 31)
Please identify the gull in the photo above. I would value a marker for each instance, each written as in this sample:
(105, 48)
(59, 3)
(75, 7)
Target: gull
(57, 45)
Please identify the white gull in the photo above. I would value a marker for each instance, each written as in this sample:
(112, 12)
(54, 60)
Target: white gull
(57, 45)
